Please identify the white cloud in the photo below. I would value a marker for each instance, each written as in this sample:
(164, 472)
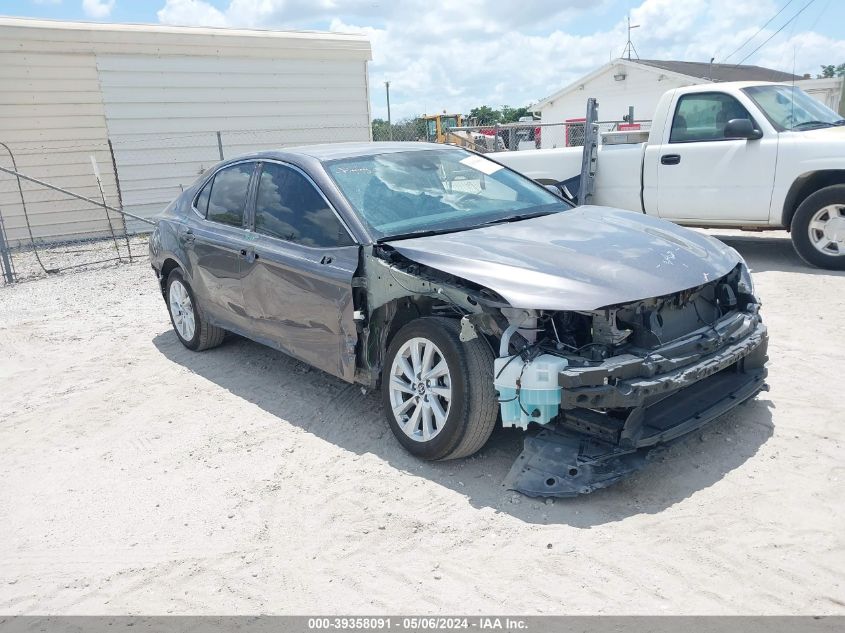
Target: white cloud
(97, 8)
(192, 13)
(448, 55)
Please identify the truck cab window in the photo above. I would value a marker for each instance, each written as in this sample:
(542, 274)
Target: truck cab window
(703, 117)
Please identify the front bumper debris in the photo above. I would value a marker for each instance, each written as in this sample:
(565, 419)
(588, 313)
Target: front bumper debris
(586, 450)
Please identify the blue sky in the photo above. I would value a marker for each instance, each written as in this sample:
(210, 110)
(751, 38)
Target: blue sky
(830, 12)
(455, 55)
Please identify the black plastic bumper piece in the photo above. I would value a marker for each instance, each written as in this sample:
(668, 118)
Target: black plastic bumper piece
(561, 462)
(630, 382)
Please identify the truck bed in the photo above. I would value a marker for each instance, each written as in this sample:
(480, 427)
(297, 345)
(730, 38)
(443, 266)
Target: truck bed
(618, 179)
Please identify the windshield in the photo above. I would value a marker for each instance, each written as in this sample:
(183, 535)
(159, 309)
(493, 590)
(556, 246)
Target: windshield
(790, 108)
(404, 192)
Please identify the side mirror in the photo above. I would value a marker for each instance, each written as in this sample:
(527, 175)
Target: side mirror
(742, 128)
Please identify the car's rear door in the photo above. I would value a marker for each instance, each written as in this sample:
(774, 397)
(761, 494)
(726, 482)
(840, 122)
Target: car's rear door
(213, 240)
(298, 272)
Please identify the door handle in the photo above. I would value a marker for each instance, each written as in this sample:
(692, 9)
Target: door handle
(249, 256)
(188, 235)
(326, 259)
(670, 159)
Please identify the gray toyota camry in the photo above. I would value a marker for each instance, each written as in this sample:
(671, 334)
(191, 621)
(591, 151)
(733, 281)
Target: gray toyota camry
(468, 294)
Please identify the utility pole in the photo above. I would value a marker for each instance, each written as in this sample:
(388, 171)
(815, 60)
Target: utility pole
(629, 45)
(389, 123)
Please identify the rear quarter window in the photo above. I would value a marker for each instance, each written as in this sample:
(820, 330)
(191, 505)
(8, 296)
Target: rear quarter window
(201, 201)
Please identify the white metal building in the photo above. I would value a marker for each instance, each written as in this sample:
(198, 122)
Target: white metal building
(828, 90)
(640, 83)
(159, 95)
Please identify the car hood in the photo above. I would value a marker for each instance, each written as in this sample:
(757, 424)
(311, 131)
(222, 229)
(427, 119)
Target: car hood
(583, 259)
(835, 133)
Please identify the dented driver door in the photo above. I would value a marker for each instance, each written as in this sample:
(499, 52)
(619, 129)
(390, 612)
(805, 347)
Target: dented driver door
(298, 272)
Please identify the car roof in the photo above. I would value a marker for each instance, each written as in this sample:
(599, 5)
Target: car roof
(334, 151)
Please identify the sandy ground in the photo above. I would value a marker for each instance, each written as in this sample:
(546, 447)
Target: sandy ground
(138, 477)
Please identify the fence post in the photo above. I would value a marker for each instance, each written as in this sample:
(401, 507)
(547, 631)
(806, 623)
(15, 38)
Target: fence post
(5, 258)
(220, 145)
(96, 169)
(119, 199)
(17, 176)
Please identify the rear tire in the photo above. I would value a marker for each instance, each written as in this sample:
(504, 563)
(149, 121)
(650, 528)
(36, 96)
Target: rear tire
(818, 228)
(186, 315)
(444, 427)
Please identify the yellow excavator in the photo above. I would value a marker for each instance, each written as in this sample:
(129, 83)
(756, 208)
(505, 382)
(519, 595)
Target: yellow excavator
(438, 129)
(437, 124)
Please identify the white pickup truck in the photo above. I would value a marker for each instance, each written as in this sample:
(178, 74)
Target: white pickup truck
(744, 155)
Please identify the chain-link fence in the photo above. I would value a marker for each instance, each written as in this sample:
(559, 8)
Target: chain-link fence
(68, 205)
(499, 137)
(33, 211)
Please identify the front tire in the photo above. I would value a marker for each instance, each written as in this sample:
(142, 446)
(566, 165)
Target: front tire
(437, 392)
(818, 228)
(193, 331)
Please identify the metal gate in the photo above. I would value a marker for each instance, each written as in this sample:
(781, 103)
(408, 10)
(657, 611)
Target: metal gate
(33, 257)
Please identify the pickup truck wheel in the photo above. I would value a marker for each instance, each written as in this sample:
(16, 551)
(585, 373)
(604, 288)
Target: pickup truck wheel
(193, 331)
(437, 392)
(818, 228)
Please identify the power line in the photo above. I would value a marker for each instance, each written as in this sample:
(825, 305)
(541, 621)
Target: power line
(795, 49)
(819, 16)
(758, 31)
(787, 23)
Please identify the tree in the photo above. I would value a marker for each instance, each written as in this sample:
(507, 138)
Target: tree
(485, 115)
(410, 129)
(831, 70)
(512, 115)
(381, 131)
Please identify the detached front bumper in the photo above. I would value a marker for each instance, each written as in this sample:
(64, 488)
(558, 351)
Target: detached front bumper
(613, 414)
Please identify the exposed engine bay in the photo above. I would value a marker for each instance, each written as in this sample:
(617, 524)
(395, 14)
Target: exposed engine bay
(608, 386)
(596, 390)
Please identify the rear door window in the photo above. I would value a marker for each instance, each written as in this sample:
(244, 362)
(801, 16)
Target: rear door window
(289, 207)
(703, 117)
(227, 199)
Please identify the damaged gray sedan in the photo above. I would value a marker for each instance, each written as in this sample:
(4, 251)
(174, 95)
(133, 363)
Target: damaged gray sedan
(468, 294)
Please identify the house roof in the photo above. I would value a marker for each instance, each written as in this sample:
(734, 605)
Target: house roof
(694, 72)
(720, 72)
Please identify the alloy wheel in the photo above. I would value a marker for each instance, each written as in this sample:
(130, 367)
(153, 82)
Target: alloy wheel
(182, 310)
(420, 389)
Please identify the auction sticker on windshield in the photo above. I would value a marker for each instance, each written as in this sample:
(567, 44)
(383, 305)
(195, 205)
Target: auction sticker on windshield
(481, 164)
